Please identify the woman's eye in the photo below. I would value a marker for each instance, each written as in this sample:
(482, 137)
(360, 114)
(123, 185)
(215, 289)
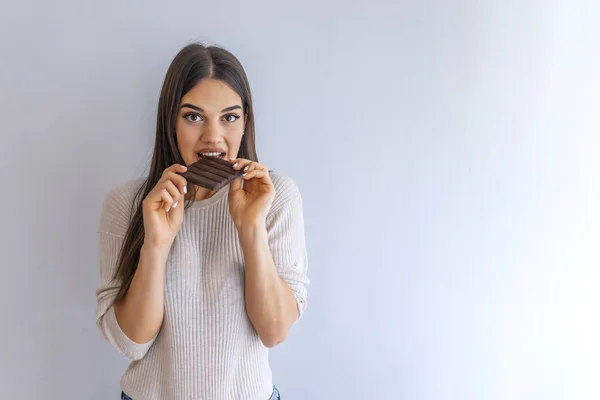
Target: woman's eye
(231, 117)
(193, 117)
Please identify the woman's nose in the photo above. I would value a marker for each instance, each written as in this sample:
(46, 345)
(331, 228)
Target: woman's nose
(211, 134)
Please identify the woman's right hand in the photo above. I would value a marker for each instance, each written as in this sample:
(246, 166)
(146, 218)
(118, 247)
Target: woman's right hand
(163, 208)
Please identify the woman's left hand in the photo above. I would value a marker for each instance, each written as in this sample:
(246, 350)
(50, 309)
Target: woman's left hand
(249, 205)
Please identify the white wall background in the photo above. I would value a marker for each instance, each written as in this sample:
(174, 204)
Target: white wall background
(447, 152)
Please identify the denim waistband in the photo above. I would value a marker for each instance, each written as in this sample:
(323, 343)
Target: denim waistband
(274, 396)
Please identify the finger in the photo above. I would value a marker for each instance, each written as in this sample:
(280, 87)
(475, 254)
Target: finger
(177, 168)
(254, 166)
(262, 175)
(173, 190)
(166, 198)
(179, 181)
(240, 163)
(174, 195)
(174, 173)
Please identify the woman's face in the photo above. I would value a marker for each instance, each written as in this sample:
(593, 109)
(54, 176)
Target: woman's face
(210, 120)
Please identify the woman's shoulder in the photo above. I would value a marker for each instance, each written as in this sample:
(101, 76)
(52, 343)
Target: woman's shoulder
(117, 206)
(286, 189)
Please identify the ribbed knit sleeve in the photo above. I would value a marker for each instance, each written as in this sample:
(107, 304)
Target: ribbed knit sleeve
(114, 220)
(285, 226)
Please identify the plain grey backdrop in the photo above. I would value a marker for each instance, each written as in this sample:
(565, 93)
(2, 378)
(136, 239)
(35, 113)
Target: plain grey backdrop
(447, 153)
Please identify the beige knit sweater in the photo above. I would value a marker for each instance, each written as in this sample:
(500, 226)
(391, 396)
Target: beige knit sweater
(207, 347)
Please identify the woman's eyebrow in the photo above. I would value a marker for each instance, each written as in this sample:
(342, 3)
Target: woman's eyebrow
(236, 107)
(193, 107)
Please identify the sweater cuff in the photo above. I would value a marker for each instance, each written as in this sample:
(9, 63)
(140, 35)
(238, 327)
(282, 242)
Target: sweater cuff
(120, 341)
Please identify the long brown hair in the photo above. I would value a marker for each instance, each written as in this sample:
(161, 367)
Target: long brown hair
(193, 63)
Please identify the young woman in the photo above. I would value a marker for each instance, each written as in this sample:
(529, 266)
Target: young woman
(197, 285)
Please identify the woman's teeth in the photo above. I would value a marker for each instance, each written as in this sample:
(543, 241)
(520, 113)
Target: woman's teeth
(211, 154)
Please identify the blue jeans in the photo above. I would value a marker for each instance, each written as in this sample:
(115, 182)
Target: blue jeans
(274, 396)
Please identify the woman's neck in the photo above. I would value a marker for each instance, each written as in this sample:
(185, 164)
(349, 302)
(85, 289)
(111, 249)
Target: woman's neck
(203, 194)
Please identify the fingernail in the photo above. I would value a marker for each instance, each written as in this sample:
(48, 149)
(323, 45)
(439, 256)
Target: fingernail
(185, 190)
(175, 205)
(235, 165)
(168, 209)
(246, 168)
(245, 174)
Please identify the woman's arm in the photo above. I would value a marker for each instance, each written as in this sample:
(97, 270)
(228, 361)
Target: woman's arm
(140, 313)
(270, 303)
(132, 323)
(270, 226)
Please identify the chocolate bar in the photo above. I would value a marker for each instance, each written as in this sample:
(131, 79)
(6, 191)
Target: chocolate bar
(211, 173)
